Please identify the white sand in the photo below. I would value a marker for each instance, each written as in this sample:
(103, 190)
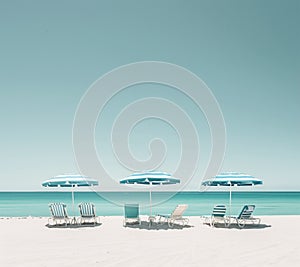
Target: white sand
(28, 242)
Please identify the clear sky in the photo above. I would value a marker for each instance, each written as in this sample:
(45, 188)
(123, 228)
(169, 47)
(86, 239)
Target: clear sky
(247, 52)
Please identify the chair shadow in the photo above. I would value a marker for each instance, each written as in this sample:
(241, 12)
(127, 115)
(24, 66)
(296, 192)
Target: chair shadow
(73, 226)
(235, 226)
(156, 226)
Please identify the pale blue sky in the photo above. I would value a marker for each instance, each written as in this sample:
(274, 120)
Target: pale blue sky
(247, 52)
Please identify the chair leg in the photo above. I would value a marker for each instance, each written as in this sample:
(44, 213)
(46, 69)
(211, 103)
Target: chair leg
(226, 222)
(241, 223)
(171, 223)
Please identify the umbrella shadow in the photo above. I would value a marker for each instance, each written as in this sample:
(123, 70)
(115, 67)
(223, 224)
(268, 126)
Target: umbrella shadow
(156, 226)
(73, 226)
(236, 226)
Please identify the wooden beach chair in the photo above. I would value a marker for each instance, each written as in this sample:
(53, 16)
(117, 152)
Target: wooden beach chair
(87, 213)
(59, 214)
(175, 216)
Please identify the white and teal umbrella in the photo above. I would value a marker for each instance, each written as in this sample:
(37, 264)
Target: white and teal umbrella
(230, 179)
(70, 180)
(150, 178)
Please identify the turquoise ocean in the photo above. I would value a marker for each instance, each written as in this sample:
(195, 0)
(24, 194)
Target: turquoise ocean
(22, 204)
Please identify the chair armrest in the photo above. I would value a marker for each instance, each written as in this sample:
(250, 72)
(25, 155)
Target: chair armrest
(163, 215)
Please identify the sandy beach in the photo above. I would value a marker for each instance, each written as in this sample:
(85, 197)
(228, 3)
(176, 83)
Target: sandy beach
(29, 242)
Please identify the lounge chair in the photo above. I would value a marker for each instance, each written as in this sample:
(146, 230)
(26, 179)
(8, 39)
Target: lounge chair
(175, 216)
(59, 214)
(246, 216)
(87, 213)
(218, 216)
(131, 213)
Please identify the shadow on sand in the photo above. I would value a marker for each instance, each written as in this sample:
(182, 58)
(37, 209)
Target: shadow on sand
(156, 226)
(235, 226)
(73, 226)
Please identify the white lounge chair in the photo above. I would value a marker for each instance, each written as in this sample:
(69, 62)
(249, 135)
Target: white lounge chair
(246, 215)
(88, 213)
(175, 216)
(59, 214)
(218, 216)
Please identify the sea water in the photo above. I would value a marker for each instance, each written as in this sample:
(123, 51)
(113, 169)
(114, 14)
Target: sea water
(21, 204)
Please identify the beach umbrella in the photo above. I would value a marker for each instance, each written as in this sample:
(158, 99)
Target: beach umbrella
(230, 179)
(70, 180)
(150, 178)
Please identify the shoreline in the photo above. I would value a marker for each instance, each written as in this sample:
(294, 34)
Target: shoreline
(143, 216)
(213, 190)
(27, 241)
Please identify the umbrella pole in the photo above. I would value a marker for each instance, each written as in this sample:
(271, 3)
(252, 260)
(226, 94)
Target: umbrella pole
(73, 201)
(230, 199)
(229, 202)
(150, 203)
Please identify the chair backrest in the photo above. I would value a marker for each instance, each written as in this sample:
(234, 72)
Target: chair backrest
(58, 210)
(131, 210)
(219, 211)
(246, 212)
(87, 209)
(179, 210)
